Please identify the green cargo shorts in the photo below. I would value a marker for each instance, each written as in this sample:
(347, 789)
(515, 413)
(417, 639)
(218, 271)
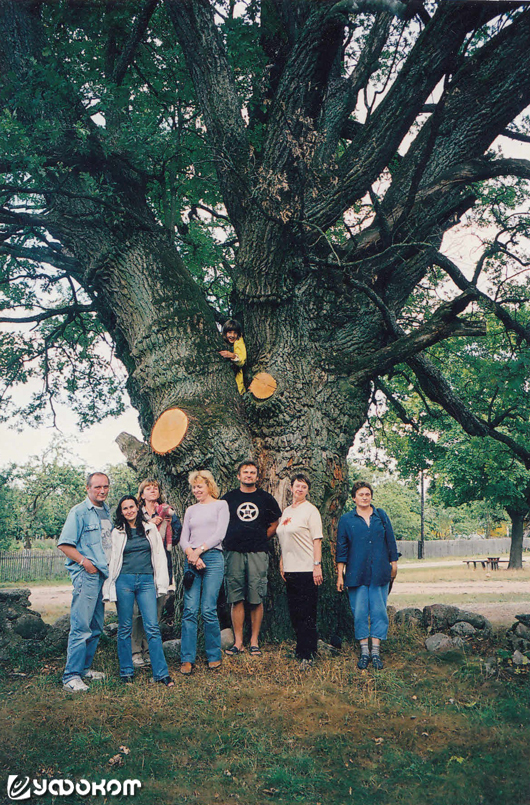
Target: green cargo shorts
(246, 577)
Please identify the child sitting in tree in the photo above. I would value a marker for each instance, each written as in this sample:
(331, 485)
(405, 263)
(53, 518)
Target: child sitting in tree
(232, 335)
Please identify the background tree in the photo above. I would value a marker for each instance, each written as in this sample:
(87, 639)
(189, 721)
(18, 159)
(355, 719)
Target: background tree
(297, 166)
(491, 375)
(36, 496)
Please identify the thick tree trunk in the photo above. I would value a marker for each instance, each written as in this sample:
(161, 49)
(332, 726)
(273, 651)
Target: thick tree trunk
(166, 336)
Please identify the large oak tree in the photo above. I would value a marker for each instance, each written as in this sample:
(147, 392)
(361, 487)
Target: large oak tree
(300, 161)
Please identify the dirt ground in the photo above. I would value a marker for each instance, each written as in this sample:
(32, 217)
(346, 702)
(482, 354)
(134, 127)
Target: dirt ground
(52, 602)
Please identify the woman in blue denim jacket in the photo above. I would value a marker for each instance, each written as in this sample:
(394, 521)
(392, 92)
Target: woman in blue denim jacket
(366, 563)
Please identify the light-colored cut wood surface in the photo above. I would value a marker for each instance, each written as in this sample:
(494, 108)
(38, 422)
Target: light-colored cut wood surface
(169, 430)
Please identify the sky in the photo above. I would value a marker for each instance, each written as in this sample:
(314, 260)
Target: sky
(94, 447)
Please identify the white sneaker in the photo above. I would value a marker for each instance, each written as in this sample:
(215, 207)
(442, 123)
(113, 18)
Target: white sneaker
(138, 661)
(75, 685)
(90, 674)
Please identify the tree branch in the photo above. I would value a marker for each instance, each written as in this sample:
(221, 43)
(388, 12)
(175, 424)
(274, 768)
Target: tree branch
(71, 310)
(40, 255)
(343, 93)
(516, 135)
(135, 37)
(467, 286)
(433, 55)
(439, 391)
(215, 86)
(443, 324)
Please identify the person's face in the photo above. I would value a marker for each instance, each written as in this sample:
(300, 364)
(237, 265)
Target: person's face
(129, 509)
(200, 490)
(248, 475)
(299, 490)
(363, 497)
(151, 492)
(98, 489)
(231, 336)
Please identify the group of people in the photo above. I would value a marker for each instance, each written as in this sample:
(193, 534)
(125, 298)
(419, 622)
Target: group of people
(226, 539)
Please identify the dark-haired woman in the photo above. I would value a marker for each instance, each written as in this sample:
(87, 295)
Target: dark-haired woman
(300, 536)
(366, 562)
(137, 572)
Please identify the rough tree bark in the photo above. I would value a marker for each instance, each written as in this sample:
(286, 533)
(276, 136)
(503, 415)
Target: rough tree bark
(319, 309)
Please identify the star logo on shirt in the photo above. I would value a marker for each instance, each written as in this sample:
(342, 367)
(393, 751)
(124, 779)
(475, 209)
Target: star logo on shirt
(247, 512)
(287, 521)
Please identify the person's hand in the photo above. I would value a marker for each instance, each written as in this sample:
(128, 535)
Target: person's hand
(224, 353)
(340, 582)
(199, 564)
(89, 567)
(193, 556)
(282, 574)
(156, 519)
(393, 571)
(318, 578)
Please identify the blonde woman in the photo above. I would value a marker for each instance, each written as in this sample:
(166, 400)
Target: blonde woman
(203, 531)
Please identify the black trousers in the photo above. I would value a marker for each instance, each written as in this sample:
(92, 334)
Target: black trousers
(302, 597)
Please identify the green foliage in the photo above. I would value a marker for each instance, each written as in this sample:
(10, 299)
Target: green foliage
(36, 497)
(491, 376)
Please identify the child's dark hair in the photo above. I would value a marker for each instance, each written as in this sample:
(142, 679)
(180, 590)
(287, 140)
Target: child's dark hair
(120, 521)
(232, 324)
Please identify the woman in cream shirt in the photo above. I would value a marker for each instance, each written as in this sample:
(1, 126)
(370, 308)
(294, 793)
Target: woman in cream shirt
(300, 536)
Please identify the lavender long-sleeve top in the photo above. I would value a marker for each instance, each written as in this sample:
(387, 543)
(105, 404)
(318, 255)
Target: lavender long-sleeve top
(205, 524)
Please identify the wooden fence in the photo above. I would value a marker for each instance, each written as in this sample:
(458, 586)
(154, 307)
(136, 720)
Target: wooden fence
(32, 565)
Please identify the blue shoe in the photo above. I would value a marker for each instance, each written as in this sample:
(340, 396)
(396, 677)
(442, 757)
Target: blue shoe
(377, 662)
(364, 662)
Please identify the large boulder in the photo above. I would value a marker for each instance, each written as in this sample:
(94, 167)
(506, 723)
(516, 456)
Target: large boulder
(227, 638)
(442, 644)
(30, 626)
(19, 596)
(439, 616)
(521, 630)
(57, 637)
(462, 629)
(409, 616)
(172, 649)
(518, 635)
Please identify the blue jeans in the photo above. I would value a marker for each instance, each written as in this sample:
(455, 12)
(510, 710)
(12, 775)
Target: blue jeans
(369, 603)
(208, 583)
(139, 587)
(86, 623)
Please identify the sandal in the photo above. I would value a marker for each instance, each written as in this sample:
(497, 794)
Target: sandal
(167, 681)
(214, 666)
(256, 651)
(234, 651)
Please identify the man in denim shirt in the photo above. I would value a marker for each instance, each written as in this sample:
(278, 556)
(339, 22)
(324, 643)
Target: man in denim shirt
(83, 539)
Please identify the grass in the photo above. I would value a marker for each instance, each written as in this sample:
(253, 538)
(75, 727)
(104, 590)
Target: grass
(422, 731)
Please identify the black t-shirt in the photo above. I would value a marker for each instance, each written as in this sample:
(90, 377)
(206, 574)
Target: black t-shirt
(251, 513)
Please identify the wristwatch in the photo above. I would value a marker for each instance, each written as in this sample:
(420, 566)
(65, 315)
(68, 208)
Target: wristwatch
(316, 564)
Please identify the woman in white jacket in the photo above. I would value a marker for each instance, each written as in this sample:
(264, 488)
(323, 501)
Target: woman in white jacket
(137, 572)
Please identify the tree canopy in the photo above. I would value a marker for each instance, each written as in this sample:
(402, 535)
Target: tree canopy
(297, 165)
